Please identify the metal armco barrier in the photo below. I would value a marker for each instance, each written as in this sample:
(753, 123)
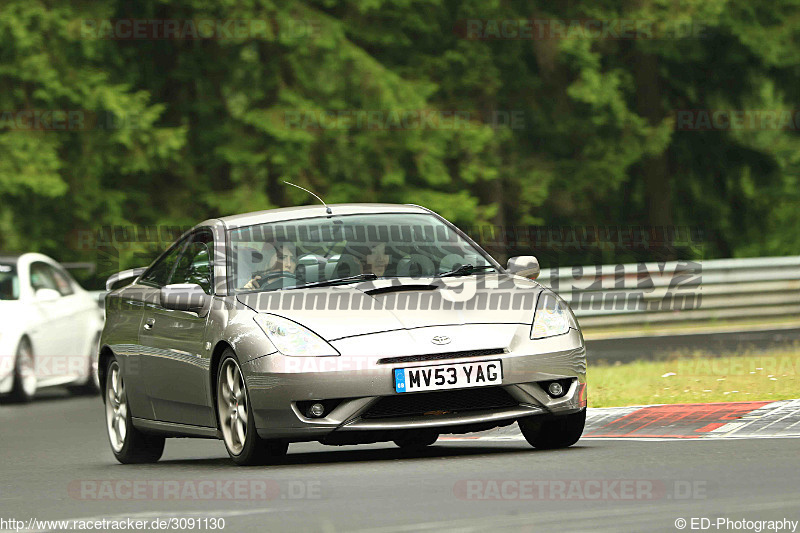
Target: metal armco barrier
(659, 293)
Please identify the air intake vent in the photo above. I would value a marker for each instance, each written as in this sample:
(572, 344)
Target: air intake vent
(400, 288)
(440, 356)
(433, 403)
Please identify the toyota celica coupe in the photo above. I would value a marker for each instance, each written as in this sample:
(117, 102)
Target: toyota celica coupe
(344, 324)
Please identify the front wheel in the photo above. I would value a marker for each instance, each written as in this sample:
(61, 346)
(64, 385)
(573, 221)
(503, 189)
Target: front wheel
(128, 443)
(549, 433)
(235, 415)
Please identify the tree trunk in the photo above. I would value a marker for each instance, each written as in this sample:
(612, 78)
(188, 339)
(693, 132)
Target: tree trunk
(654, 170)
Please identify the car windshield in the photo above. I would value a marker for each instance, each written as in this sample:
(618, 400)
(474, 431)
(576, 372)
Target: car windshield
(293, 254)
(9, 282)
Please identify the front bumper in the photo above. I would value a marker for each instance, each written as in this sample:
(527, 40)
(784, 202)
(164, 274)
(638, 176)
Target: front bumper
(7, 361)
(276, 382)
(6, 380)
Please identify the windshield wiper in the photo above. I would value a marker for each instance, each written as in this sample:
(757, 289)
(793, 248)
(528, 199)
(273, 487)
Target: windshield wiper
(361, 277)
(466, 270)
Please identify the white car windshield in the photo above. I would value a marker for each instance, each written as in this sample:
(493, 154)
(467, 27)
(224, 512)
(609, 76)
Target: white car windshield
(309, 252)
(9, 282)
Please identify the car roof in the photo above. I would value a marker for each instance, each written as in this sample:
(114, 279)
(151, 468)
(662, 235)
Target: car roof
(27, 257)
(317, 210)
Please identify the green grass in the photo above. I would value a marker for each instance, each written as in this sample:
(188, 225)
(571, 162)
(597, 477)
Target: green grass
(697, 377)
(600, 332)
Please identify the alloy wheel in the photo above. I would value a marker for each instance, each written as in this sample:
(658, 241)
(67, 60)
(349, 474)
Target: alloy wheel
(232, 406)
(116, 407)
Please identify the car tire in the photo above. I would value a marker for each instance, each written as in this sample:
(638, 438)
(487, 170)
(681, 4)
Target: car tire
(416, 440)
(24, 388)
(548, 433)
(129, 445)
(92, 384)
(236, 421)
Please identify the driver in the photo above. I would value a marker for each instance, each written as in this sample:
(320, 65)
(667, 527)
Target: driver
(285, 264)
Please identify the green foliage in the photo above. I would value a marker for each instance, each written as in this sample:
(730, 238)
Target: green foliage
(178, 130)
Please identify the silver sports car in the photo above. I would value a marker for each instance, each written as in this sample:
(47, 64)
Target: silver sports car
(347, 324)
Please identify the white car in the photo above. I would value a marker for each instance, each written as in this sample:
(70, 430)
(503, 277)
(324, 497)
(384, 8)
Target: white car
(50, 328)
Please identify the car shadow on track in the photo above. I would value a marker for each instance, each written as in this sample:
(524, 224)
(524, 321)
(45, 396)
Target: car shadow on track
(54, 394)
(351, 455)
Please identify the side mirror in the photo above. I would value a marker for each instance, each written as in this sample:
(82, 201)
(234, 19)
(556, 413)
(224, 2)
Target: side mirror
(526, 266)
(47, 295)
(124, 275)
(184, 297)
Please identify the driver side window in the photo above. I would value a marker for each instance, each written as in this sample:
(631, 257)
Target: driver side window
(194, 264)
(42, 277)
(158, 275)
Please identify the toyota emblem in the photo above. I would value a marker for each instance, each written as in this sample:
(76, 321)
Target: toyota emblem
(441, 339)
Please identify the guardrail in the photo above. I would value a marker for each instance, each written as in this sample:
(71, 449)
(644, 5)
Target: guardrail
(639, 294)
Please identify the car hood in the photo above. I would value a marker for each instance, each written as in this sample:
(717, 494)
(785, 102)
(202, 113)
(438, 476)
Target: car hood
(10, 307)
(402, 304)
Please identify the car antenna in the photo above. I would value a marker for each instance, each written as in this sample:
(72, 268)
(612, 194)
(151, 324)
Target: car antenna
(327, 209)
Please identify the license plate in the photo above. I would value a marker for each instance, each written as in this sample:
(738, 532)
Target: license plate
(453, 376)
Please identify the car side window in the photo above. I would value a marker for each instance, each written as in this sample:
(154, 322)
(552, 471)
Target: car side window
(64, 286)
(160, 273)
(42, 277)
(9, 282)
(194, 264)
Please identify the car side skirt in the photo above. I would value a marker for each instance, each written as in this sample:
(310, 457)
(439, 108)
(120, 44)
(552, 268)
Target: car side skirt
(171, 429)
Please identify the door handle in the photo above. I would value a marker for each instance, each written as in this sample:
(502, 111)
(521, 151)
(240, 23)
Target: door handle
(149, 323)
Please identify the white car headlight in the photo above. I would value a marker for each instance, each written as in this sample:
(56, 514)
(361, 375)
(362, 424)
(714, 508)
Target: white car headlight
(551, 317)
(290, 338)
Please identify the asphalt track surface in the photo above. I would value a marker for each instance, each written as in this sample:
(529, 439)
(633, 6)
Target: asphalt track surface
(57, 465)
(631, 349)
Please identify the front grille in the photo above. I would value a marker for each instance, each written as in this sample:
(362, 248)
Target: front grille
(439, 356)
(455, 401)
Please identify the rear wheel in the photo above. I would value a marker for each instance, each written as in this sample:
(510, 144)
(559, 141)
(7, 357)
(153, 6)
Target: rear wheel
(416, 440)
(236, 420)
(553, 432)
(24, 387)
(128, 443)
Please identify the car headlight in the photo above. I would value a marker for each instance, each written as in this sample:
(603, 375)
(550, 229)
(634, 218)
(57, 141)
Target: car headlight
(290, 338)
(552, 317)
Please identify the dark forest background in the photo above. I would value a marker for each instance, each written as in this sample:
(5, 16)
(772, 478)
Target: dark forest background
(563, 129)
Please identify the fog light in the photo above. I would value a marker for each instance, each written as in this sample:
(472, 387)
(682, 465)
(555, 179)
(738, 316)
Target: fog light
(316, 410)
(555, 389)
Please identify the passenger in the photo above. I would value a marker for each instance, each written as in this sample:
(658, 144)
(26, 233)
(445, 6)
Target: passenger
(378, 261)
